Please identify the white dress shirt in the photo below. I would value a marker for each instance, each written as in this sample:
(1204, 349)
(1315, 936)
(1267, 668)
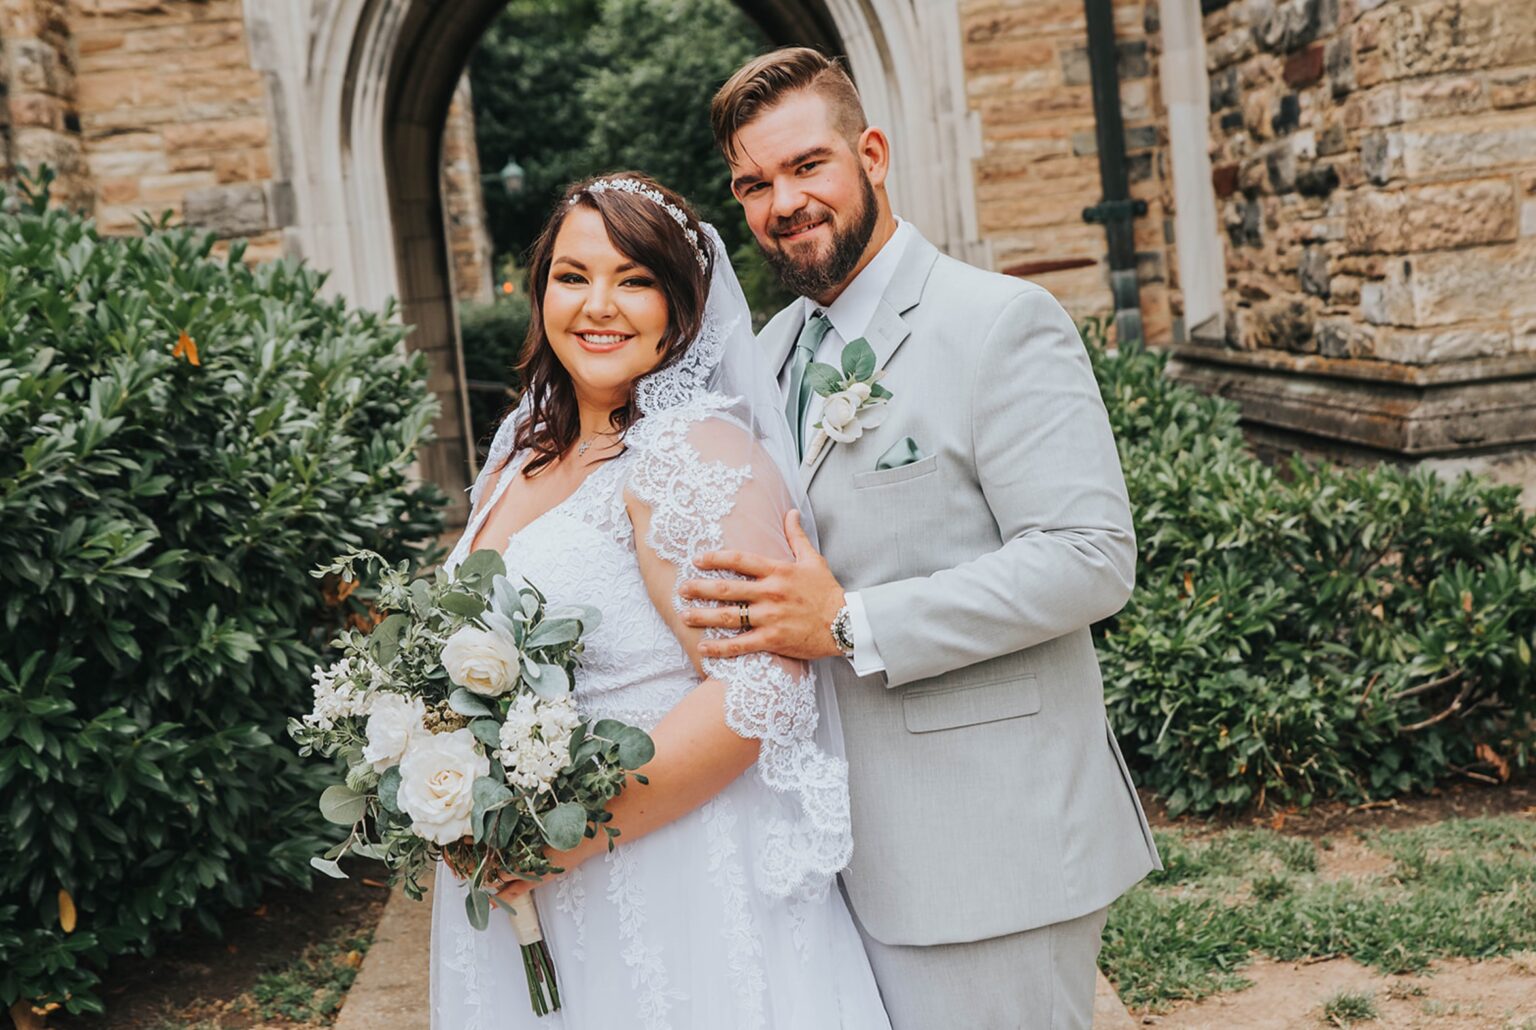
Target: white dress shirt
(850, 315)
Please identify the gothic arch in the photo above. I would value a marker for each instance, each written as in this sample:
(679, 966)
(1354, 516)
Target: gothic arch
(360, 91)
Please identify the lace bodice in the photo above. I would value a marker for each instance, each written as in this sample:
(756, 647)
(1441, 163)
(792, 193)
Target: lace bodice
(582, 551)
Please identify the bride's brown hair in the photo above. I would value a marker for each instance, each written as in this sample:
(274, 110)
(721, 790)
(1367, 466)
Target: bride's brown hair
(646, 233)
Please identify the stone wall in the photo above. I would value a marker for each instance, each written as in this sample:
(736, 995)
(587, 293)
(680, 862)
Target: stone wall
(1375, 164)
(1026, 64)
(174, 118)
(469, 243)
(42, 118)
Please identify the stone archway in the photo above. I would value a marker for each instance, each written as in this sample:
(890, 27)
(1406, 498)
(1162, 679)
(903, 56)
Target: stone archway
(360, 90)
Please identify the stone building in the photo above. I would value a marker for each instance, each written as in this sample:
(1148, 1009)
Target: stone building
(1335, 200)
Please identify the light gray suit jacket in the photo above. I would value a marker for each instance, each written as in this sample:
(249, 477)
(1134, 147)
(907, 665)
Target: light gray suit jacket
(989, 795)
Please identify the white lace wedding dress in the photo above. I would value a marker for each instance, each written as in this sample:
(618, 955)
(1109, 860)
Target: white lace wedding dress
(728, 918)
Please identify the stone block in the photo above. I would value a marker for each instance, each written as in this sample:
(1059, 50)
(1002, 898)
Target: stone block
(217, 135)
(1507, 139)
(1304, 67)
(1223, 90)
(1288, 116)
(1435, 217)
(1224, 179)
(1341, 338)
(1339, 59)
(1313, 272)
(1381, 156)
(1512, 87)
(1408, 347)
(1318, 181)
(1279, 325)
(1528, 218)
(1344, 289)
(1476, 285)
(1283, 27)
(233, 210)
(1332, 140)
(1442, 98)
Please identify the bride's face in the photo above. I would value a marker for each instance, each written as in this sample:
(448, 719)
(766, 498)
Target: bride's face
(604, 314)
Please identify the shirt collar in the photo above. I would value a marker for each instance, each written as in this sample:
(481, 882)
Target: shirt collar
(854, 308)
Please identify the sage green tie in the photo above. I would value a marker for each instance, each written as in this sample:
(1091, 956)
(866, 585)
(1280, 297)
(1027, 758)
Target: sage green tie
(799, 394)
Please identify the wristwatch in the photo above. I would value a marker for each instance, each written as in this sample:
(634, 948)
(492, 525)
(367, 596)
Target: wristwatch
(842, 631)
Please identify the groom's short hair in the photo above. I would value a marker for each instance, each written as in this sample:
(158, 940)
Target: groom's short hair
(764, 81)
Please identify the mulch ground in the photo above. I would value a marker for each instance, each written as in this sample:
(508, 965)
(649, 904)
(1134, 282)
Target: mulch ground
(195, 978)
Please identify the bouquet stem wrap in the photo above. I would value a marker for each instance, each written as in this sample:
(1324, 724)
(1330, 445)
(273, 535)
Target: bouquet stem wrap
(537, 963)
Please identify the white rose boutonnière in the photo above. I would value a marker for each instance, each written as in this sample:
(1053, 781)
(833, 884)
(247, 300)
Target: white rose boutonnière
(855, 399)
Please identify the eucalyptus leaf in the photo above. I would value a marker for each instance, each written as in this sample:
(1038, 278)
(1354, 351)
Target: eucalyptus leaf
(586, 750)
(389, 789)
(384, 641)
(421, 598)
(328, 867)
(468, 704)
(635, 747)
(342, 805)
(372, 851)
(459, 603)
(552, 683)
(608, 729)
(481, 566)
(488, 794)
(565, 825)
(477, 905)
(552, 632)
(487, 732)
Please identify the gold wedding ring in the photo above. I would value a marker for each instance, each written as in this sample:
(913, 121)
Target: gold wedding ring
(746, 616)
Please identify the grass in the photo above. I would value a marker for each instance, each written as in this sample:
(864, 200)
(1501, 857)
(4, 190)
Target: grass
(1462, 888)
(310, 989)
(1350, 1007)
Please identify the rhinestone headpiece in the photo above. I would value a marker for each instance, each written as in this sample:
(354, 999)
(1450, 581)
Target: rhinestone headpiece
(640, 189)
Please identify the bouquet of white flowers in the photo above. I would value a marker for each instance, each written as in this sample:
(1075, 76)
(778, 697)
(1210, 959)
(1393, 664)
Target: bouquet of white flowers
(455, 719)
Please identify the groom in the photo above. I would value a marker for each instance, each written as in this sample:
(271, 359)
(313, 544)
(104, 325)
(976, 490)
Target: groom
(970, 539)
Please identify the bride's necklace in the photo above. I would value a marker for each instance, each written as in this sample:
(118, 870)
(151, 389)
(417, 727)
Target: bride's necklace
(582, 445)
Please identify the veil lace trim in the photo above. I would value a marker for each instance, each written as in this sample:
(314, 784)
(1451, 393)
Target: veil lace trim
(690, 498)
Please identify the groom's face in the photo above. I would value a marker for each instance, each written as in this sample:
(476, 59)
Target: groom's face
(807, 193)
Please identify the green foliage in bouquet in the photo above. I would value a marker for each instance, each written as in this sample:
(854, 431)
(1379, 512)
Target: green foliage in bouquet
(1307, 631)
(456, 721)
(182, 438)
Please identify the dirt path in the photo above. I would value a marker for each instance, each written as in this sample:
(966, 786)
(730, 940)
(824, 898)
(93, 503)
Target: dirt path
(1496, 994)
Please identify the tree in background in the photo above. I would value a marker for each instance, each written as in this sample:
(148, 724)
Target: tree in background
(570, 88)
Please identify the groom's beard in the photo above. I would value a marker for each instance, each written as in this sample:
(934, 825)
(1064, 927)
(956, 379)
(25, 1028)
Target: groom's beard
(817, 275)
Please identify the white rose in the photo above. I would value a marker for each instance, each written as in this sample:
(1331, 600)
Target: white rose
(392, 720)
(437, 783)
(485, 662)
(838, 417)
(859, 391)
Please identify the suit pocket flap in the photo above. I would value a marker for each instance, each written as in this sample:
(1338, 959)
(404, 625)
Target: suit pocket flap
(945, 708)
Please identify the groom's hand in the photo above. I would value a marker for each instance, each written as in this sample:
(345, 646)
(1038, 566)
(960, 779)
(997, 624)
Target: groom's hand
(791, 604)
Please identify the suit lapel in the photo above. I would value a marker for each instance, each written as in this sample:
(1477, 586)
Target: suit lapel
(779, 336)
(888, 329)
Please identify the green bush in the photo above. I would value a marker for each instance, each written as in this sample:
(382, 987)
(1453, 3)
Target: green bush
(1308, 631)
(493, 340)
(159, 518)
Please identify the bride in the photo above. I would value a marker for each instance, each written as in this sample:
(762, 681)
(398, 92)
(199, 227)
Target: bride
(649, 432)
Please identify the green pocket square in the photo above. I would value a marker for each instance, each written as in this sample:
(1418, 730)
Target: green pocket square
(902, 452)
